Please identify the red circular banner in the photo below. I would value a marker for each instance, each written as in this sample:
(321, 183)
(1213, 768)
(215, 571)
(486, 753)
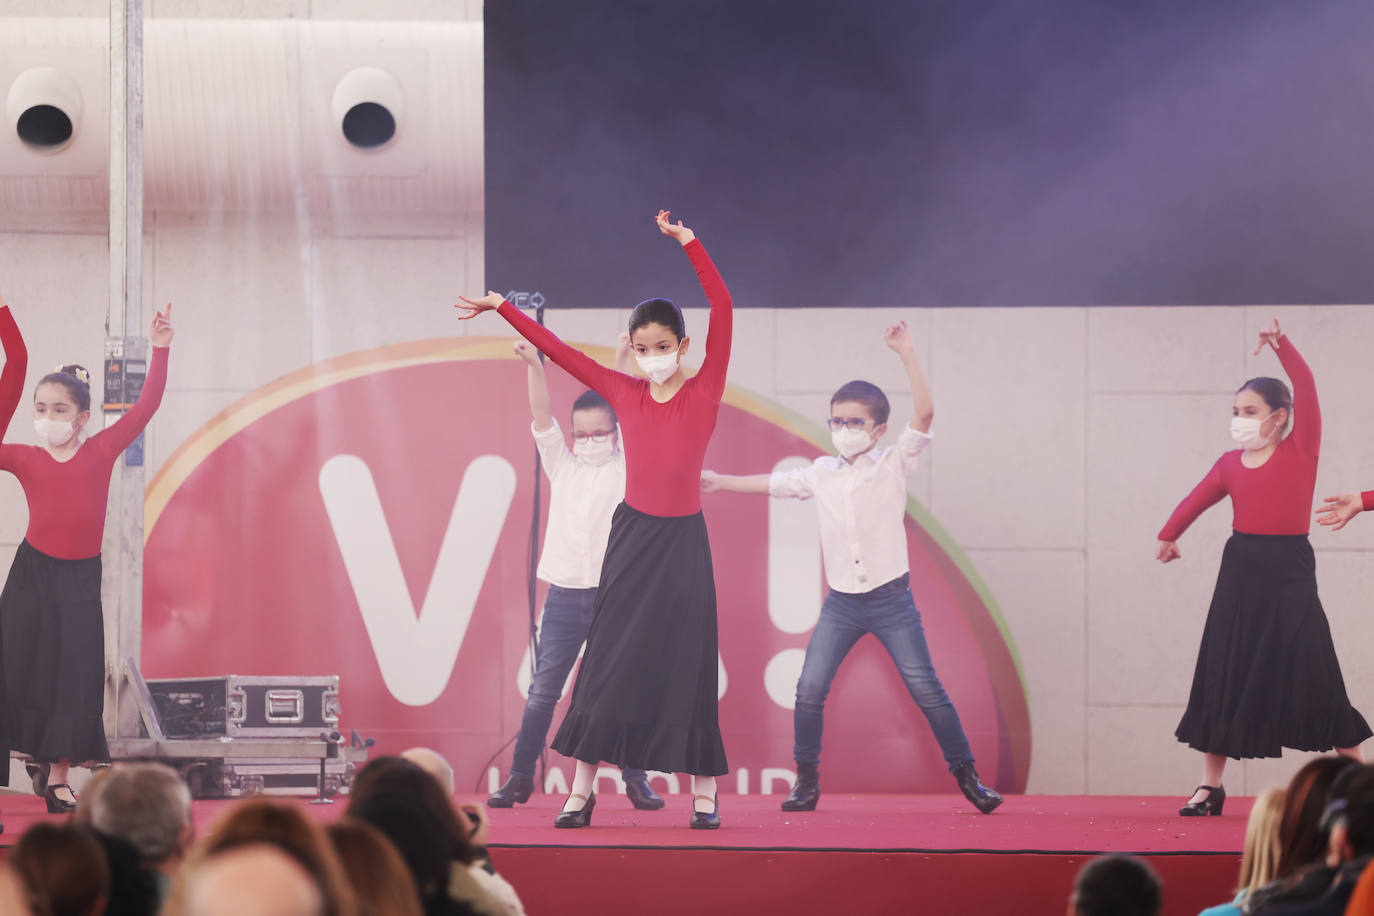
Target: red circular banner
(370, 517)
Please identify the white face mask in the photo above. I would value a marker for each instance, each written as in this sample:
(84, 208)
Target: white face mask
(849, 442)
(1246, 432)
(660, 368)
(54, 432)
(590, 452)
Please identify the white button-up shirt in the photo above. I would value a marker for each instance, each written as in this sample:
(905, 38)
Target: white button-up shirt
(862, 510)
(582, 500)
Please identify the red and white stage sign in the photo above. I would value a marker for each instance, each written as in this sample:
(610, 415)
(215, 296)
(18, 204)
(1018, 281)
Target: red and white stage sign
(369, 517)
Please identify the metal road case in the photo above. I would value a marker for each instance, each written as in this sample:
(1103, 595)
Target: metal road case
(231, 736)
(246, 707)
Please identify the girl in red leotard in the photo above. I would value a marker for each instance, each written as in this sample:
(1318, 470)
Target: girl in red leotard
(52, 643)
(646, 693)
(1267, 675)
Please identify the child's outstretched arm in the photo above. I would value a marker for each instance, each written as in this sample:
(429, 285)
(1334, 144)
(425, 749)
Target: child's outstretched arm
(898, 337)
(711, 482)
(1307, 414)
(720, 331)
(607, 382)
(125, 430)
(1339, 510)
(538, 384)
(16, 365)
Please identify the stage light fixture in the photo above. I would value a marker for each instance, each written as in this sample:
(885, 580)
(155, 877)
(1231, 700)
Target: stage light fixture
(368, 107)
(44, 108)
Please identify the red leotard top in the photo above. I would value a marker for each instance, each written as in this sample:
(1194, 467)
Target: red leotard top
(1367, 498)
(664, 443)
(1276, 497)
(67, 498)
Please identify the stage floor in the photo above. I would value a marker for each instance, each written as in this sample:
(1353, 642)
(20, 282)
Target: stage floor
(907, 823)
(872, 853)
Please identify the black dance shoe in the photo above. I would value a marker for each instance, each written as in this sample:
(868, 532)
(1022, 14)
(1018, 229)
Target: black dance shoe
(642, 795)
(516, 791)
(582, 817)
(806, 792)
(984, 799)
(1216, 797)
(57, 805)
(702, 821)
(38, 774)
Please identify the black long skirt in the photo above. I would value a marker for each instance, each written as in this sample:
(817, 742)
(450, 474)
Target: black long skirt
(52, 647)
(645, 695)
(1267, 675)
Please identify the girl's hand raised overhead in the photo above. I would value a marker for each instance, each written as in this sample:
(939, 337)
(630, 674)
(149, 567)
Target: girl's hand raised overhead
(898, 337)
(476, 307)
(624, 361)
(161, 332)
(527, 352)
(679, 232)
(1270, 336)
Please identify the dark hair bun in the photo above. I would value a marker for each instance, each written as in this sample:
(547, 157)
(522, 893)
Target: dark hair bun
(77, 372)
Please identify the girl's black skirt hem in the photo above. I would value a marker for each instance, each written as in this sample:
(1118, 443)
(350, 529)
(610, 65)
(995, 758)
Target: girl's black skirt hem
(1267, 676)
(52, 649)
(646, 692)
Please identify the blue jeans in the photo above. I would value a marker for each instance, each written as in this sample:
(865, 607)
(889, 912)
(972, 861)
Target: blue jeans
(563, 630)
(889, 613)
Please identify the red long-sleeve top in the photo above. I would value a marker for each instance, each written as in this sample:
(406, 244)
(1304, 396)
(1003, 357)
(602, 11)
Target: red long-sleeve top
(665, 443)
(67, 498)
(1276, 497)
(1367, 498)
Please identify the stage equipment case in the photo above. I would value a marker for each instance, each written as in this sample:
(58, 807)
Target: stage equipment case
(232, 735)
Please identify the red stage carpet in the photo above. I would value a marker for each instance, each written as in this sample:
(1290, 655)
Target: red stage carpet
(857, 853)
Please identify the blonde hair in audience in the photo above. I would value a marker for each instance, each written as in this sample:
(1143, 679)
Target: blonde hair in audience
(282, 825)
(1260, 860)
(381, 880)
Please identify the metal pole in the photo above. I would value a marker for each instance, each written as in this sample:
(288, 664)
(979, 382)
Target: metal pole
(124, 323)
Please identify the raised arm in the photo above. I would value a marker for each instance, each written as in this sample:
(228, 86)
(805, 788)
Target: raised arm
(607, 382)
(125, 430)
(624, 357)
(538, 385)
(718, 335)
(898, 337)
(1206, 494)
(16, 367)
(1307, 416)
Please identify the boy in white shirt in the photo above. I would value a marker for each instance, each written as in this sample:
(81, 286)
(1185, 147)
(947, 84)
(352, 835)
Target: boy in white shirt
(861, 495)
(585, 484)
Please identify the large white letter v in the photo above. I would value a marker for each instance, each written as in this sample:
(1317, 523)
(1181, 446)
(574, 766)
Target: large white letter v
(416, 652)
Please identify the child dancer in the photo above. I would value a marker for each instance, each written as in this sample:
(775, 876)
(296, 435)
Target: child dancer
(51, 624)
(646, 693)
(11, 390)
(1267, 675)
(586, 484)
(861, 496)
